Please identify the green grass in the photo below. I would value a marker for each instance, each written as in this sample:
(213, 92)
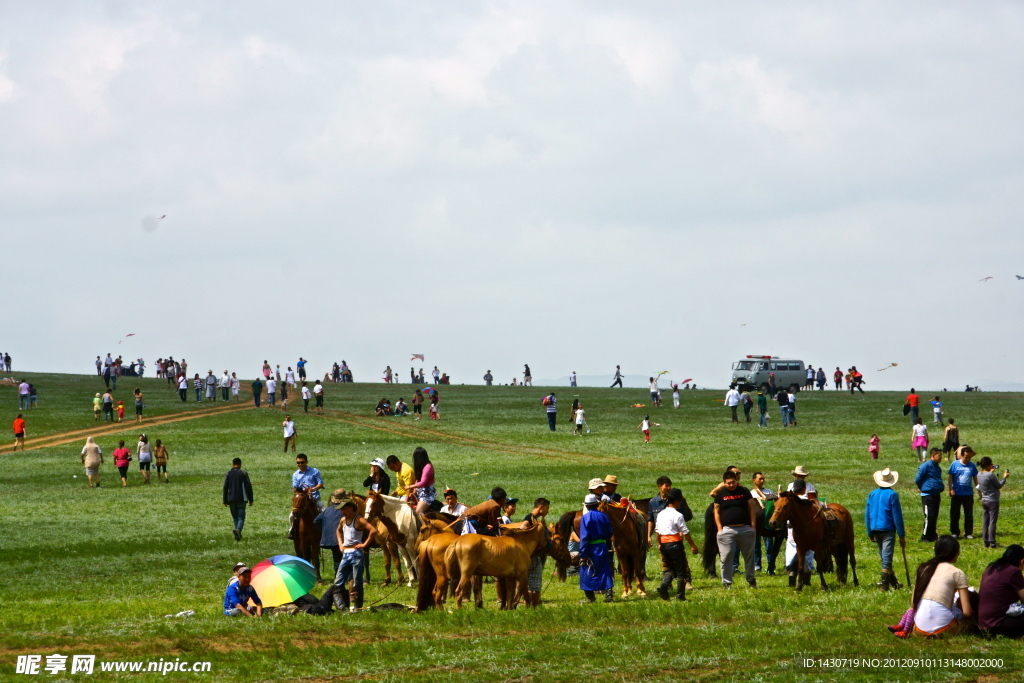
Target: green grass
(95, 571)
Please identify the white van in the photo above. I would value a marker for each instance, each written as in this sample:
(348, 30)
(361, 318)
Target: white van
(752, 373)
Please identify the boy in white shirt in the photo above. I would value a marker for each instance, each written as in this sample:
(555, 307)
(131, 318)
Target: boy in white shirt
(305, 398)
(672, 530)
(579, 420)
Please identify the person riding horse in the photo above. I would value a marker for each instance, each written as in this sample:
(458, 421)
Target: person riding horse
(485, 518)
(307, 479)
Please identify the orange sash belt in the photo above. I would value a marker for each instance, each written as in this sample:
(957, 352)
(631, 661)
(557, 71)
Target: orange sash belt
(671, 538)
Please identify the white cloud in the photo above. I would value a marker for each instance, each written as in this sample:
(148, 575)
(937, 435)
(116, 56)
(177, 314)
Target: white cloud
(390, 168)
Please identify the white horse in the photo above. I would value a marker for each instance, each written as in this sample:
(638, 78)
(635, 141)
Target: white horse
(406, 522)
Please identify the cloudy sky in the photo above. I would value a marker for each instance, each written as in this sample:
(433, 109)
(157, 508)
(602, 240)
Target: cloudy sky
(573, 185)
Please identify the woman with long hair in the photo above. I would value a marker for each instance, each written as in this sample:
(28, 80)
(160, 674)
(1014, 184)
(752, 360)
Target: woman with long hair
(423, 472)
(937, 583)
(1002, 589)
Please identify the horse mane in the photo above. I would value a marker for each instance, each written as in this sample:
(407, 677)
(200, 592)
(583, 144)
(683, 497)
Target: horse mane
(518, 530)
(441, 516)
(565, 524)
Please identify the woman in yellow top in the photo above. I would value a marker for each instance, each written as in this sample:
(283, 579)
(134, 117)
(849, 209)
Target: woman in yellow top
(406, 476)
(97, 405)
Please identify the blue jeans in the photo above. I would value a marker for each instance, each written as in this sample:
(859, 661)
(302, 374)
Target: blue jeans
(24, 401)
(238, 513)
(351, 568)
(763, 419)
(784, 411)
(199, 394)
(771, 549)
(551, 420)
(271, 398)
(886, 541)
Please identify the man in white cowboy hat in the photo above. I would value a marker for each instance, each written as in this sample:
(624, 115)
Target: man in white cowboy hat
(883, 518)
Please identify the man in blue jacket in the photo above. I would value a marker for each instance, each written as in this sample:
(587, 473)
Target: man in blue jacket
(595, 555)
(929, 483)
(883, 518)
(328, 521)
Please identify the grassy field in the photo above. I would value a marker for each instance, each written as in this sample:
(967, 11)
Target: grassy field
(94, 571)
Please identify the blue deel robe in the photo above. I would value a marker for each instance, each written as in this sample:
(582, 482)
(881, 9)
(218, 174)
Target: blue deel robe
(595, 539)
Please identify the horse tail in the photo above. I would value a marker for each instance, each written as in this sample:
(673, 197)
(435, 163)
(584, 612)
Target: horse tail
(842, 556)
(709, 553)
(428, 577)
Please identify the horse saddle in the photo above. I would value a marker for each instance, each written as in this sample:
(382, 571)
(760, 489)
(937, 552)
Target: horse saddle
(832, 526)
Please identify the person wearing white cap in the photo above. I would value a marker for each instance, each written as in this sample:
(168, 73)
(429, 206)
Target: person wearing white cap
(379, 480)
(883, 519)
(595, 555)
(596, 487)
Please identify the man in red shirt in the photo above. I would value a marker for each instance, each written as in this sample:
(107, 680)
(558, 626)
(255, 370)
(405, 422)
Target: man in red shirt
(913, 400)
(19, 432)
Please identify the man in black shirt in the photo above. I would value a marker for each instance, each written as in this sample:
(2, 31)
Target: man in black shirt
(735, 517)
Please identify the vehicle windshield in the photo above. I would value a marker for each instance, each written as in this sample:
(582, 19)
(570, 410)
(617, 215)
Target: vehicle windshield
(744, 365)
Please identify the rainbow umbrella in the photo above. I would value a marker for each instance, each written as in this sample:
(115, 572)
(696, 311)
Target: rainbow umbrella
(282, 579)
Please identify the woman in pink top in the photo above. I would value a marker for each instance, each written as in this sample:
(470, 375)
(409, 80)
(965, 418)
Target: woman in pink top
(423, 471)
(122, 456)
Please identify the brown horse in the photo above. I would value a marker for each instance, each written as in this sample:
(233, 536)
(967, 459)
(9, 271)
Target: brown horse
(505, 557)
(811, 532)
(307, 540)
(630, 547)
(432, 570)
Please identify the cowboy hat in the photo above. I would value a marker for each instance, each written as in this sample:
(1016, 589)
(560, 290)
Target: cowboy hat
(339, 495)
(886, 478)
(595, 483)
(611, 479)
(800, 471)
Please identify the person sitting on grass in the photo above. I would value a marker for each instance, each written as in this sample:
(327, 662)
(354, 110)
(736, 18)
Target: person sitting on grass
(383, 408)
(937, 586)
(1000, 610)
(238, 595)
(401, 408)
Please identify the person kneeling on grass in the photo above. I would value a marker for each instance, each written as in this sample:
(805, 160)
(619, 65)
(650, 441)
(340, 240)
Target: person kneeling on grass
(238, 595)
(401, 408)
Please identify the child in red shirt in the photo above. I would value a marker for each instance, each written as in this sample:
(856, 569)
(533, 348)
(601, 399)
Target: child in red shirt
(120, 411)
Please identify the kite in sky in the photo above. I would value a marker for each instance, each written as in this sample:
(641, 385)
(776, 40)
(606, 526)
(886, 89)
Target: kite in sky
(126, 336)
(1020, 277)
(985, 279)
(417, 355)
(890, 365)
(663, 372)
